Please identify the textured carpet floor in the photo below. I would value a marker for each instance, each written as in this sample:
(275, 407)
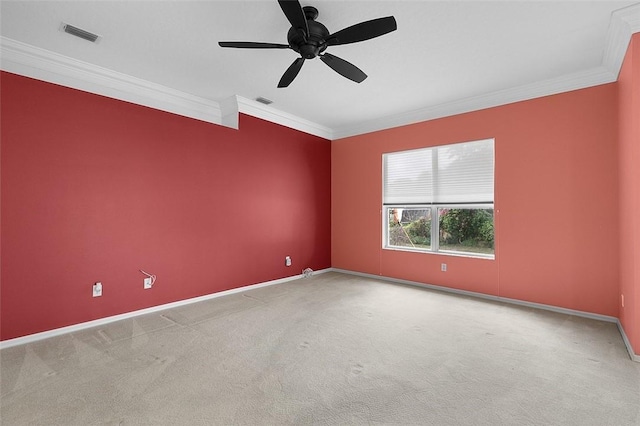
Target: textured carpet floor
(332, 349)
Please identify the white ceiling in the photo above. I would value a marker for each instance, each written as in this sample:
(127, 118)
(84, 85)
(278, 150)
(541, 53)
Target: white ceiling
(443, 53)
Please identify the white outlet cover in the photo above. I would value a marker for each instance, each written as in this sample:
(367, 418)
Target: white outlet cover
(147, 283)
(97, 290)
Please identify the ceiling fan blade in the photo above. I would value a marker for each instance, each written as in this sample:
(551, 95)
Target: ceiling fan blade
(291, 73)
(344, 68)
(363, 31)
(252, 45)
(294, 13)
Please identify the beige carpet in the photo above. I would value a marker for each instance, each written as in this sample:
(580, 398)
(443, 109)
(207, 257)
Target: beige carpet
(332, 349)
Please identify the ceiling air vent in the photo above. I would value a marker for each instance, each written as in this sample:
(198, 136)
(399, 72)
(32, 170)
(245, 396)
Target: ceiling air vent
(79, 32)
(264, 100)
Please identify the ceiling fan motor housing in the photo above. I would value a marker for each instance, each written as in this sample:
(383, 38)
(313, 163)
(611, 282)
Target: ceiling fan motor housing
(313, 45)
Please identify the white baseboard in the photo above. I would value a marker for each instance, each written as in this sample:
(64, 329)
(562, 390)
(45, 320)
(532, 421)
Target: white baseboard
(542, 306)
(102, 321)
(627, 343)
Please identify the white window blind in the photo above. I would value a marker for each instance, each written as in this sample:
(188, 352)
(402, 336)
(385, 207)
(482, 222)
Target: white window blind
(408, 177)
(449, 174)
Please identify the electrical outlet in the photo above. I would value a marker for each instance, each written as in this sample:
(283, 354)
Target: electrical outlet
(287, 261)
(443, 267)
(622, 299)
(148, 283)
(97, 289)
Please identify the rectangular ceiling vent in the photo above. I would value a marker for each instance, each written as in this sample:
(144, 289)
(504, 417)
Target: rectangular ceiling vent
(264, 100)
(79, 32)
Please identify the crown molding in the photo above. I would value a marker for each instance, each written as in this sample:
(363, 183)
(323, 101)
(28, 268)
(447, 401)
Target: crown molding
(229, 109)
(30, 61)
(624, 23)
(41, 64)
(266, 112)
(553, 86)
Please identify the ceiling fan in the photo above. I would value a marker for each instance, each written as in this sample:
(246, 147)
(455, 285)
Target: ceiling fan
(310, 38)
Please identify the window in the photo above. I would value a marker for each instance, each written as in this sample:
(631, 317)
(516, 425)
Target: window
(440, 199)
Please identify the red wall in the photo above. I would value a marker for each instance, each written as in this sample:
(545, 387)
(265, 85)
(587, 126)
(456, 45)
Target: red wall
(94, 189)
(629, 159)
(555, 197)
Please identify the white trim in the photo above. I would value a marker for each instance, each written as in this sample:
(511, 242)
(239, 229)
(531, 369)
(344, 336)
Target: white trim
(627, 343)
(557, 309)
(30, 61)
(267, 112)
(535, 90)
(229, 111)
(107, 320)
(624, 23)
(439, 252)
(103, 321)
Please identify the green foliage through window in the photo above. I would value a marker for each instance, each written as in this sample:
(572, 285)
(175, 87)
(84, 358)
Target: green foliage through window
(463, 230)
(466, 227)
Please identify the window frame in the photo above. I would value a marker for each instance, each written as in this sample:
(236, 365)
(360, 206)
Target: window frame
(435, 229)
(435, 217)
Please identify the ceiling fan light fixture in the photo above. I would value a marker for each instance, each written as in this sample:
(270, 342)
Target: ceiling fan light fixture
(79, 32)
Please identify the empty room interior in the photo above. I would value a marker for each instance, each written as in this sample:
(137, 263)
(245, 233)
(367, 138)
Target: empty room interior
(320, 212)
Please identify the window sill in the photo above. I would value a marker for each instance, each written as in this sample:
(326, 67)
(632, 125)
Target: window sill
(444, 253)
